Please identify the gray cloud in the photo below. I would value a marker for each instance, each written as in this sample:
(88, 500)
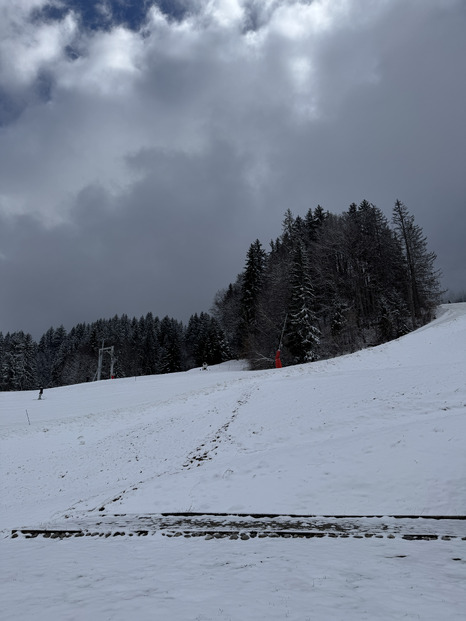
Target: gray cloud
(134, 177)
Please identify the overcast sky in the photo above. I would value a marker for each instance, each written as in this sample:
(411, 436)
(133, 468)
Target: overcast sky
(142, 153)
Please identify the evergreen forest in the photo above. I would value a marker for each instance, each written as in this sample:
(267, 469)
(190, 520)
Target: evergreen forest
(328, 285)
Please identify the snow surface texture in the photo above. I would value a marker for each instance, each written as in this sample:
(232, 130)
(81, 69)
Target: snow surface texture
(380, 432)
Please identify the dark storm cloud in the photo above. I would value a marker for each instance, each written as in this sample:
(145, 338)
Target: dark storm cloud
(164, 242)
(135, 172)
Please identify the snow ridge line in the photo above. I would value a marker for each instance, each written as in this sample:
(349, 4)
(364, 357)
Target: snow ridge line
(232, 535)
(246, 526)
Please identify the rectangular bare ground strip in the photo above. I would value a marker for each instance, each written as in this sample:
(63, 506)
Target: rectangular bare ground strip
(245, 526)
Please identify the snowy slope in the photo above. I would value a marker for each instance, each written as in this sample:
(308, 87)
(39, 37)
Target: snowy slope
(377, 432)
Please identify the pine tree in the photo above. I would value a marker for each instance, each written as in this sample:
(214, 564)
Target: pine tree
(421, 278)
(30, 379)
(60, 352)
(170, 337)
(320, 215)
(288, 227)
(216, 347)
(253, 278)
(251, 287)
(312, 224)
(150, 348)
(303, 333)
(372, 261)
(226, 309)
(19, 371)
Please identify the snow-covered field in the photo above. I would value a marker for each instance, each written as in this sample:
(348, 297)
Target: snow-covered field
(379, 432)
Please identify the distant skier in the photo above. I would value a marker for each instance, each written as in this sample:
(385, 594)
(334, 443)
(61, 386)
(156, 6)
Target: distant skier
(204, 366)
(41, 392)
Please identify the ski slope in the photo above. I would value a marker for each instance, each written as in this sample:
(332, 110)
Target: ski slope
(378, 432)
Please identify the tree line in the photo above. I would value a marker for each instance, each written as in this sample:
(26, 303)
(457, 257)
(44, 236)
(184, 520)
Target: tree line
(329, 285)
(143, 346)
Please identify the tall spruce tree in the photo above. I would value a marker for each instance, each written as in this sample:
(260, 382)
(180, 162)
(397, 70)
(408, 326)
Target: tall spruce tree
(149, 348)
(422, 280)
(250, 289)
(170, 338)
(19, 363)
(303, 333)
(226, 309)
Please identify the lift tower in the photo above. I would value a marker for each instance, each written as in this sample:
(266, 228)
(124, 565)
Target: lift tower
(110, 350)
